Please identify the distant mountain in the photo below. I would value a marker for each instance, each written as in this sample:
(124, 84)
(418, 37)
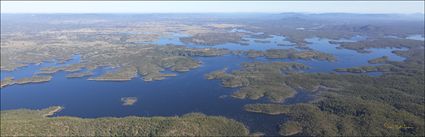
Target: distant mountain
(351, 16)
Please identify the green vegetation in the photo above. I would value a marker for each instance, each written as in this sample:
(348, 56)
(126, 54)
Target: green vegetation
(24, 122)
(272, 109)
(129, 59)
(113, 48)
(348, 116)
(7, 81)
(295, 54)
(362, 46)
(68, 68)
(364, 69)
(380, 60)
(357, 105)
(344, 105)
(79, 74)
(298, 26)
(253, 53)
(290, 128)
(34, 79)
(259, 79)
(214, 38)
(152, 72)
(291, 54)
(123, 74)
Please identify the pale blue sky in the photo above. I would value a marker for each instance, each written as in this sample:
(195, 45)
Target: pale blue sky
(211, 7)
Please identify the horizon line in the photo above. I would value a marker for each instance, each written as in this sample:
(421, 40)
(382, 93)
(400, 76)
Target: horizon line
(210, 13)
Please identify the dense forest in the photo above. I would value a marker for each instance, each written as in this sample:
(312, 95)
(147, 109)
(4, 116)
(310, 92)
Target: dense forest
(26, 122)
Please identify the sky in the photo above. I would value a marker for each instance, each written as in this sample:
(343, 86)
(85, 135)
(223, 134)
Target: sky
(405, 7)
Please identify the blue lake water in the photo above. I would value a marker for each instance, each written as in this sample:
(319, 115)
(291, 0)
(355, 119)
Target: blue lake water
(30, 70)
(185, 93)
(269, 43)
(273, 42)
(345, 58)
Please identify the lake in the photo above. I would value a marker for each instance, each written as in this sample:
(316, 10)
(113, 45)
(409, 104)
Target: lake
(187, 92)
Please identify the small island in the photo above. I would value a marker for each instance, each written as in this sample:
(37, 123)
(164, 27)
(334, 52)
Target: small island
(128, 101)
